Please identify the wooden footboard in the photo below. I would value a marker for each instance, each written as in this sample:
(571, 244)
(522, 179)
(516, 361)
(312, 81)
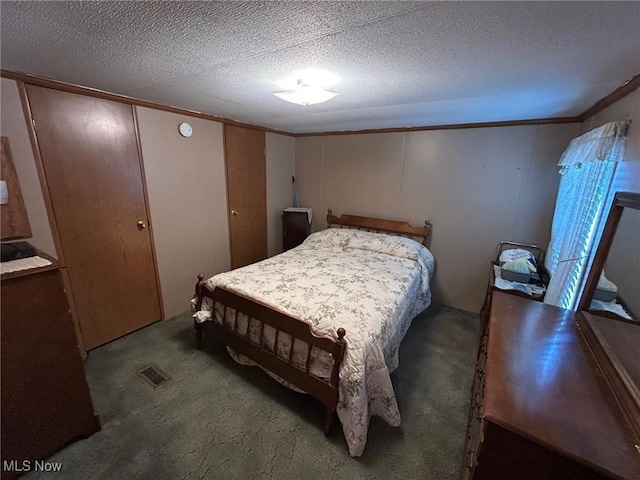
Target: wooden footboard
(325, 392)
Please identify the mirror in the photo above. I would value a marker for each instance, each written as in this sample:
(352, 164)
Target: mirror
(608, 318)
(618, 289)
(612, 288)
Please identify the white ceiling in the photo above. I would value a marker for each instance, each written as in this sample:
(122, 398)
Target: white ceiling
(395, 64)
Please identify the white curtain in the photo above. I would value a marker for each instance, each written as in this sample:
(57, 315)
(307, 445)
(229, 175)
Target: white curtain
(587, 168)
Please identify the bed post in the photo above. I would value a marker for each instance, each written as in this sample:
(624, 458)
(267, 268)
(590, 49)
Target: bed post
(426, 239)
(327, 420)
(196, 325)
(338, 354)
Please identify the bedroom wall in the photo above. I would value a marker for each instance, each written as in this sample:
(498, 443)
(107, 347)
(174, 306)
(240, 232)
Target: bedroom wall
(477, 186)
(280, 167)
(186, 185)
(186, 243)
(623, 262)
(14, 126)
(185, 174)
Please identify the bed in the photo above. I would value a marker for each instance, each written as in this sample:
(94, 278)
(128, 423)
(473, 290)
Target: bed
(328, 316)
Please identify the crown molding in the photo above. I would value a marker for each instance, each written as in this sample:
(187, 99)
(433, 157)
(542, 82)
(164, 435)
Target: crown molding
(610, 99)
(453, 126)
(624, 90)
(94, 92)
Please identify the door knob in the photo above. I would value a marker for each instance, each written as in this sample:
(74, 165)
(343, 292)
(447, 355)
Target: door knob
(141, 224)
(234, 212)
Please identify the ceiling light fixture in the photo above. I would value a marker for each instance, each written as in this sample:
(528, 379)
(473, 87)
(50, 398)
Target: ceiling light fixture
(305, 94)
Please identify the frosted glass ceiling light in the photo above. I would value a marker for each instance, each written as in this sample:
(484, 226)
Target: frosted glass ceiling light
(306, 94)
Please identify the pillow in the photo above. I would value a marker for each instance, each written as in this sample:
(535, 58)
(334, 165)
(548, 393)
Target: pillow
(331, 237)
(352, 239)
(393, 245)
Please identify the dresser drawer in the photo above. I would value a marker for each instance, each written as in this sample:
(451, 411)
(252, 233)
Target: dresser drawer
(474, 438)
(475, 421)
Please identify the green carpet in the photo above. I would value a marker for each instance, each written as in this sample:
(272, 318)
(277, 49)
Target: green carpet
(220, 420)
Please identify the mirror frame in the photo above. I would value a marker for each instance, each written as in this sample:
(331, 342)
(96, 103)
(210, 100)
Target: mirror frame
(621, 382)
(621, 201)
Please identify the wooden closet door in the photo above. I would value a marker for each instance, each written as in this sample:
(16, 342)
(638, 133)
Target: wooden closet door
(92, 166)
(247, 194)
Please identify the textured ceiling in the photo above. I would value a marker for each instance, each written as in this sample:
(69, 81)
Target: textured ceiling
(395, 64)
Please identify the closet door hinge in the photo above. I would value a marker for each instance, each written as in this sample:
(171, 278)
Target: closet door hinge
(33, 122)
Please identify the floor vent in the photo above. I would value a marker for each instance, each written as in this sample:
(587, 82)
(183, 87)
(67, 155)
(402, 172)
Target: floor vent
(153, 375)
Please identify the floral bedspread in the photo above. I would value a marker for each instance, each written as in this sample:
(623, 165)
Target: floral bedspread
(370, 284)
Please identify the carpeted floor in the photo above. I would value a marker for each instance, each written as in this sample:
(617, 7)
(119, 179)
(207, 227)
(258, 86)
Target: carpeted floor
(220, 420)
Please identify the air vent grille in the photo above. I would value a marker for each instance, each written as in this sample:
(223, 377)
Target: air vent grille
(153, 375)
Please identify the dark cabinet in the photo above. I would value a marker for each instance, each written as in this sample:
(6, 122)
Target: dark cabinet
(45, 396)
(296, 226)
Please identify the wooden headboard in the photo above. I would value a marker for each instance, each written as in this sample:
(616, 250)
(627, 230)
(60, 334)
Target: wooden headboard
(382, 225)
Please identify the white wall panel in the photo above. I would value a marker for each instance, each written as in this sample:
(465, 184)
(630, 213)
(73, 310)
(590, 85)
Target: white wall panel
(362, 174)
(308, 168)
(280, 168)
(467, 182)
(477, 186)
(186, 184)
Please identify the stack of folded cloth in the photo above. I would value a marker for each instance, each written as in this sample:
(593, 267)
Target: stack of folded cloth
(518, 265)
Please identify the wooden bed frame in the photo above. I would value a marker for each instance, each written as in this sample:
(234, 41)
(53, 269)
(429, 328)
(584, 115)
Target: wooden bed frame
(324, 391)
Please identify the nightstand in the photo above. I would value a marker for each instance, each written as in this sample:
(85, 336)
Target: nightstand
(296, 226)
(535, 294)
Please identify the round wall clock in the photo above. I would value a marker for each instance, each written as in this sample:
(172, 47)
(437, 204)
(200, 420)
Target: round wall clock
(185, 129)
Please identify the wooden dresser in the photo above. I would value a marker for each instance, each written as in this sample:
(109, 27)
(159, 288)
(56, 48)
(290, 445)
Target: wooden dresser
(541, 408)
(45, 396)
